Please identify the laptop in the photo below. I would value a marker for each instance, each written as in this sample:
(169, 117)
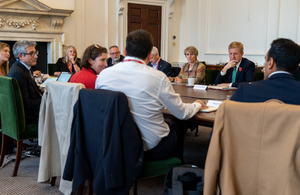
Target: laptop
(63, 77)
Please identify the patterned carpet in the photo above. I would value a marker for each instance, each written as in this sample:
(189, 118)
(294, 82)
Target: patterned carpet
(25, 183)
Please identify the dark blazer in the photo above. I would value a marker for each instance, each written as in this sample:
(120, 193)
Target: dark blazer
(60, 66)
(105, 143)
(164, 66)
(31, 94)
(109, 61)
(279, 86)
(246, 73)
(296, 74)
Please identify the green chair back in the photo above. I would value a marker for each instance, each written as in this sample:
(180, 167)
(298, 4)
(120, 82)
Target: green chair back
(210, 76)
(11, 107)
(156, 168)
(51, 69)
(259, 76)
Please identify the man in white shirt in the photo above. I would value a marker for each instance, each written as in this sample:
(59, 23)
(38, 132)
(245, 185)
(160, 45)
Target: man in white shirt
(238, 69)
(148, 91)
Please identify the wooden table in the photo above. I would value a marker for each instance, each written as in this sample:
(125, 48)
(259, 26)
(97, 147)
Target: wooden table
(189, 95)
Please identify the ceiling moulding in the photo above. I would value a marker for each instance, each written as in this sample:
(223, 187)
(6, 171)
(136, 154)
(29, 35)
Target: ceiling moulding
(31, 15)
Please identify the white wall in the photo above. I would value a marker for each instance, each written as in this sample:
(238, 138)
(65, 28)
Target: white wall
(209, 25)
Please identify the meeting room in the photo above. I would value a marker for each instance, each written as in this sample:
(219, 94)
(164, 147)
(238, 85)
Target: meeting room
(162, 97)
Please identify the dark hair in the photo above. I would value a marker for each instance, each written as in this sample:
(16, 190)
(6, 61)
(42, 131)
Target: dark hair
(92, 52)
(139, 44)
(286, 54)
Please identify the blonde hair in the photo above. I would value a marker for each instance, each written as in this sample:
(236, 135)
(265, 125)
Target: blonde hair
(191, 50)
(237, 45)
(66, 58)
(4, 67)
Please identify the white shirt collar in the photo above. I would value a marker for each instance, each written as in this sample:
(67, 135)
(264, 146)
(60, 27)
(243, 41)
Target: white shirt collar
(134, 58)
(277, 72)
(24, 64)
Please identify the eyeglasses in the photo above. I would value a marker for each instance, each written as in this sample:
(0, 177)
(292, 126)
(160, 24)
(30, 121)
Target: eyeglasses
(32, 53)
(97, 46)
(114, 53)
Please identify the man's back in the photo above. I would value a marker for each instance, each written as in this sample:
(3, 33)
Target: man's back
(281, 86)
(148, 91)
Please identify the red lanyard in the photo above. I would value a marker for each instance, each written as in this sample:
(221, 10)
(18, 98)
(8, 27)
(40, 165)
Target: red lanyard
(157, 64)
(128, 60)
(70, 67)
(1, 73)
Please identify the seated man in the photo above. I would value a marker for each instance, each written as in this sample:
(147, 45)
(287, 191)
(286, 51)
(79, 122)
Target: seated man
(115, 56)
(281, 61)
(157, 63)
(148, 92)
(238, 69)
(26, 55)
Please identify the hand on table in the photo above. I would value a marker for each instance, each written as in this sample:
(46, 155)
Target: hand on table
(202, 104)
(224, 85)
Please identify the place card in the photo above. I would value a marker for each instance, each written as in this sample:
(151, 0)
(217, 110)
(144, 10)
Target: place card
(201, 87)
(213, 103)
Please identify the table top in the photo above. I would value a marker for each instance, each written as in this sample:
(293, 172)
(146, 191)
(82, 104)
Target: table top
(189, 95)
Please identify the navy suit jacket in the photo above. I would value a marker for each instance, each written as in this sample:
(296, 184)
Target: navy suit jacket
(245, 73)
(106, 144)
(31, 94)
(279, 86)
(164, 66)
(296, 74)
(109, 61)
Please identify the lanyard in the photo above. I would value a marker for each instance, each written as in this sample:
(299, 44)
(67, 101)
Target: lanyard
(128, 60)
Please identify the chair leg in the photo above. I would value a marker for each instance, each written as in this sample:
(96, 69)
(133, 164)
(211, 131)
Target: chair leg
(135, 188)
(18, 157)
(90, 187)
(3, 148)
(81, 189)
(52, 181)
(196, 133)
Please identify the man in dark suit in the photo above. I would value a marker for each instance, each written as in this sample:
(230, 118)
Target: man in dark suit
(238, 69)
(281, 61)
(26, 55)
(115, 56)
(157, 63)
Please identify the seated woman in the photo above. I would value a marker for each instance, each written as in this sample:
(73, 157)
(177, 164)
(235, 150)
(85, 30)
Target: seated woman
(69, 63)
(192, 69)
(4, 57)
(94, 60)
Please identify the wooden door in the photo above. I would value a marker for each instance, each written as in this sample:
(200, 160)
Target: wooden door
(146, 17)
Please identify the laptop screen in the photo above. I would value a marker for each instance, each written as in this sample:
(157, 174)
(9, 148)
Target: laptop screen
(48, 80)
(64, 77)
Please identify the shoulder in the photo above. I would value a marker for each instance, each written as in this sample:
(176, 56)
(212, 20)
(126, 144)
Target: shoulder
(246, 62)
(163, 62)
(121, 58)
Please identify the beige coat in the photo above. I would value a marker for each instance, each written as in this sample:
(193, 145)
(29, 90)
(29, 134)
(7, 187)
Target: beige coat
(254, 150)
(55, 120)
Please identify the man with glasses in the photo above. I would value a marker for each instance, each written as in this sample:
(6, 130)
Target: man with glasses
(26, 55)
(115, 56)
(159, 64)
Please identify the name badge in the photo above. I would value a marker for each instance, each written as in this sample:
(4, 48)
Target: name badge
(213, 103)
(201, 87)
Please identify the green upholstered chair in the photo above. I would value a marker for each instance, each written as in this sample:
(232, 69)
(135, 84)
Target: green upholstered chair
(13, 118)
(259, 76)
(156, 168)
(51, 69)
(210, 76)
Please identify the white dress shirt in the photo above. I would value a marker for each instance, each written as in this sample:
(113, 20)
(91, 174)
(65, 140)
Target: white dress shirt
(148, 91)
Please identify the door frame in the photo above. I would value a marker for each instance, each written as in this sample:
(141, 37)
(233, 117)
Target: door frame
(167, 9)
